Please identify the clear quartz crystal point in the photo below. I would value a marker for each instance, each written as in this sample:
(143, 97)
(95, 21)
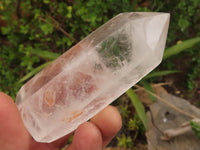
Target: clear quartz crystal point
(92, 74)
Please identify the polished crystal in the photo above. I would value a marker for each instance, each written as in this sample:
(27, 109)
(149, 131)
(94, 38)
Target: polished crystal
(92, 74)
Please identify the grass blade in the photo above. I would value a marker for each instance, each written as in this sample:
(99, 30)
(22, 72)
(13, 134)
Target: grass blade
(45, 54)
(148, 87)
(180, 47)
(34, 71)
(160, 73)
(138, 106)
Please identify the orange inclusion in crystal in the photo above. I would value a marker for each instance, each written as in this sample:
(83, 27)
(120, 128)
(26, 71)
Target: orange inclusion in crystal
(75, 114)
(50, 98)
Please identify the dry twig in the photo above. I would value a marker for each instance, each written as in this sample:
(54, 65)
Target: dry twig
(168, 103)
(154, 85)
(58, 26)
(184, 128)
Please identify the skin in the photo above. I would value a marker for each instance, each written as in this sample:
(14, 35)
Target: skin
(93, 135)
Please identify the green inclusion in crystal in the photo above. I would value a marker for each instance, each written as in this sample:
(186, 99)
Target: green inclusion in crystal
(115, 51)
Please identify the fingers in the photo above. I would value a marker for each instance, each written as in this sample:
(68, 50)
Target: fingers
(95, 135)
(87, 137)
(62, 141)
(109, 123)
(12, 130)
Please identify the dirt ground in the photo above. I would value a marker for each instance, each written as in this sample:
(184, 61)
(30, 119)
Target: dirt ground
(178, 81)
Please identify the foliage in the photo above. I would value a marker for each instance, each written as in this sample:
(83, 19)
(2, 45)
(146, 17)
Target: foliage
(132, 127)
(8, 71)
(196, 128)
(34, 71)
(124, 141)
(179, 47)
(155, 74)
(148, 87)
(125, 112)
(194, 73)
(138, 106)
(135, 124)
(184, 24)
(184, 19)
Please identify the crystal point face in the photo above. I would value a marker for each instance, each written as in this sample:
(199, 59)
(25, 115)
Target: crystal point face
(92, 74)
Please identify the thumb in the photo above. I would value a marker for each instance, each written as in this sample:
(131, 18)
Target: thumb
(12, 130)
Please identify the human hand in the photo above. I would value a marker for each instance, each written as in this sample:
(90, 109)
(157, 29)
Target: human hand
(93, 135)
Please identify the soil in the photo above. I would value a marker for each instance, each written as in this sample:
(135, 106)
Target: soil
(178, 81)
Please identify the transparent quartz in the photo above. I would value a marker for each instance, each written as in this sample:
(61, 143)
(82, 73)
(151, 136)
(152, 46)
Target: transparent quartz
(92, 74)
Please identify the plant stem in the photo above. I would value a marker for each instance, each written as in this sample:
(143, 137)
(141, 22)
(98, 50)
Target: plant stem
(59, 27)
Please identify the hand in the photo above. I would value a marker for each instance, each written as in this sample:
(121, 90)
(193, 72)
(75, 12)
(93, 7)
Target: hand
(93, 135)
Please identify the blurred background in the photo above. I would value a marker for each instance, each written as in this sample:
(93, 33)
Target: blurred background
(35, 32)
